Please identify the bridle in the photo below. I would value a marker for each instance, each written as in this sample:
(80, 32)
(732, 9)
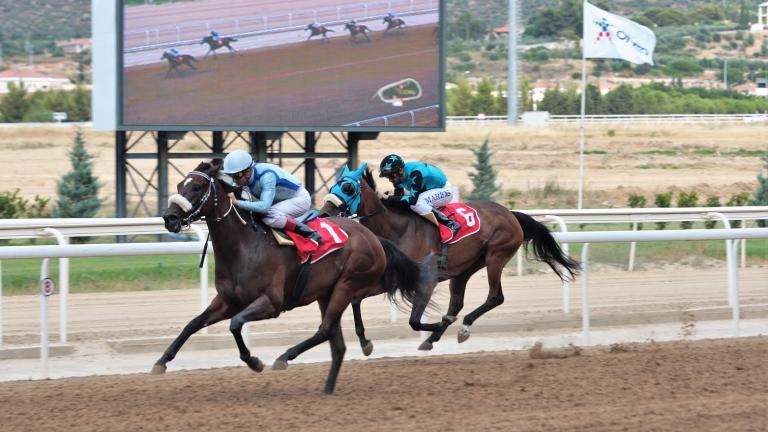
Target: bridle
(193, 211)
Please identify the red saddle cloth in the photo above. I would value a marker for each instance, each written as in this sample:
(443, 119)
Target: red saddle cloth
(334, 239)
(466, 216)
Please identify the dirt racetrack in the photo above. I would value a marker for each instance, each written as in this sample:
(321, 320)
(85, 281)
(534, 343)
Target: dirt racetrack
(709, 385)
(311, 83)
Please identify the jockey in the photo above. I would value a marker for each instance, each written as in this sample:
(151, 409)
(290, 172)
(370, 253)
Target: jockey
(280, 196)
(314, 25)
(174, 52)
(353, 22)
(391, 16)
(428, 188)
(215, 35)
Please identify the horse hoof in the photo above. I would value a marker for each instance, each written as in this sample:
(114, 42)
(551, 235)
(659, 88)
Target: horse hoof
(463, 334)
(425, 346)
(368, 348)
(280, 365)
(158, 369)
(255, 364)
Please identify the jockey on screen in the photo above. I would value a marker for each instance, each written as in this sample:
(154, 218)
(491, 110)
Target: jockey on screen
(216, 36)
(174, 52)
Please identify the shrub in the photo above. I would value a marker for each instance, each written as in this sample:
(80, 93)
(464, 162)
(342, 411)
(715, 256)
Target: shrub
(712, 201)
(687, 199)
(636, 201)
(761, 194)
(663, 200)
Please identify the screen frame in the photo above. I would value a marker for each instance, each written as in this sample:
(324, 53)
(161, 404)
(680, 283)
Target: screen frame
(441, 126)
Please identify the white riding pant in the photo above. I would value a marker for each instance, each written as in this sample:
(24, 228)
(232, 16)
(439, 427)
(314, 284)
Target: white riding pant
(294, 207)
(433, 198)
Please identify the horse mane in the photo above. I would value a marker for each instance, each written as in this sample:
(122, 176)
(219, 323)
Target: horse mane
(211, 168)
(397, 206)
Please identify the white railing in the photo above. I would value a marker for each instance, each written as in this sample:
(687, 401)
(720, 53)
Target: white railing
(408, 118)
(191, 32)
(633, 118)
(63, 229)
(184, 248)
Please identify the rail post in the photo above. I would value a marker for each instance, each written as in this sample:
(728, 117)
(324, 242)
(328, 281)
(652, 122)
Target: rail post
(203, 272)
(729, 251)
(566, 284)
(63, 284)
(585, 293)
(45, 284)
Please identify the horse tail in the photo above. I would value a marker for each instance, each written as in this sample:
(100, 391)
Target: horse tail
(405, 274)
(545, 247)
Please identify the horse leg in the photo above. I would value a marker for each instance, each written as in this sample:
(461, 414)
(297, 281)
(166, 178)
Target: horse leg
(337, 356)
(261, 308)
(214, 313)
(495, 265)
(366, 36)
(365, 344)
(457, 287)
(170, 68)
(323, 333)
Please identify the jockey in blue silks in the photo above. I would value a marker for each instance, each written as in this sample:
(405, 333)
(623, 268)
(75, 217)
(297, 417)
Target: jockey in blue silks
(428, 188)
(174, 52)
(215, 35)
(278, 196)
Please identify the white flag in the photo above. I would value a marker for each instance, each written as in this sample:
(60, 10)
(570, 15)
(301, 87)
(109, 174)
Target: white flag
(610, 36)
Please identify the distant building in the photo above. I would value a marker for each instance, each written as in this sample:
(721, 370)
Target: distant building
(74, 46)
(762, 18)
(762, 87)
(33, 81)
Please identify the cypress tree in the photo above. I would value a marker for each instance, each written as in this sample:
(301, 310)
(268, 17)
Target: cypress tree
(484, 177)
(78, 190)
(761, 194)
(15, 104)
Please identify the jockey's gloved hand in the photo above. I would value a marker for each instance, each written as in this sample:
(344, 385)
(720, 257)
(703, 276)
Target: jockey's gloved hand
(392, 199)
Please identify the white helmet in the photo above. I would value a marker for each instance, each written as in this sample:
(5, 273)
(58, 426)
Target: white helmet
(238, 160)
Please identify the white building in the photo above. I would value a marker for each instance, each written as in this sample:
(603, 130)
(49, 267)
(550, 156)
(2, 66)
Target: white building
(33, 81)
(762, 18)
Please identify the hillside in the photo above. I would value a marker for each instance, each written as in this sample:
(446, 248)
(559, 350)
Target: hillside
(42, 22)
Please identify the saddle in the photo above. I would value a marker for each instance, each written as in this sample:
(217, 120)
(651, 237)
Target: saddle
(284, 239)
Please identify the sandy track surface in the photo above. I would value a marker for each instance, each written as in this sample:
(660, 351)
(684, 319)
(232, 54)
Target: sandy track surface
(710, 385)
(305, 84)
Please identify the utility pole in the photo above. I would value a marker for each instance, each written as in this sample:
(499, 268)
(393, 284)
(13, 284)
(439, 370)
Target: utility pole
(725, 73)
(512, 108)
(30, 55)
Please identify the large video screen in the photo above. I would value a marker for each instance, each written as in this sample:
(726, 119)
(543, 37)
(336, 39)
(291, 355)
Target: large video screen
(281, 65)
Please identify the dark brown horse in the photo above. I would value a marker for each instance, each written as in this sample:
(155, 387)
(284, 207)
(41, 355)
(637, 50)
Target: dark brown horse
(175, 61)
(396, 23)
(500, 236)
(213, 44)
(355, 29)
(256, 279)
(318, 30)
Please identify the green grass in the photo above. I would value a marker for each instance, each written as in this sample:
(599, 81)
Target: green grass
(107, 274)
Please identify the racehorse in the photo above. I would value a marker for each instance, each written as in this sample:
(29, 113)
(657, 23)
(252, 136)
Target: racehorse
(356, 29)
(319, 30)
(175, 61)
(397, 23)
(213, 45)
(500, 236)
(256, 279)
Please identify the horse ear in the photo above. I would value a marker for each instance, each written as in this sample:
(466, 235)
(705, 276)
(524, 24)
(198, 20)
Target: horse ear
(361, 170)
(346, 171)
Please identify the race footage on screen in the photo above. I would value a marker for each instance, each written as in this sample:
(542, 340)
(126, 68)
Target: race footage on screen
(296, 63)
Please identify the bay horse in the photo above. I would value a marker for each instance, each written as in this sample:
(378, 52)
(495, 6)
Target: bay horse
(213, 45)
(175, 61)
(318, 31)
(356, 29)
(256, 279)
(397, 23)
(501, 234)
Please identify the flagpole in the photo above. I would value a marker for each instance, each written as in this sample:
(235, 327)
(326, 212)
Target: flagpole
(581, 122)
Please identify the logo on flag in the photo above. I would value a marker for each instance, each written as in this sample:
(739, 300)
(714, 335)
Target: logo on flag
(616, 37)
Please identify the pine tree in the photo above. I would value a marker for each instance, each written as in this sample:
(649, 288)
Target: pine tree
(761, 194)
(15, 104)
(484, 177)
(78, 190)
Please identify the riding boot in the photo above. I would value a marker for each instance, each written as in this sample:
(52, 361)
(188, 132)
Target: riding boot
(303, 230)
(450, 223)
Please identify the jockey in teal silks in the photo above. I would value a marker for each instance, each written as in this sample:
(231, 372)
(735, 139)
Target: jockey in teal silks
(216, 36)
(428, 188)
(278, 196)
(174, 52)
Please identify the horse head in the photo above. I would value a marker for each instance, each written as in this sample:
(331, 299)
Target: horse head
(345, 195)
(206, 40)
(197, 197)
